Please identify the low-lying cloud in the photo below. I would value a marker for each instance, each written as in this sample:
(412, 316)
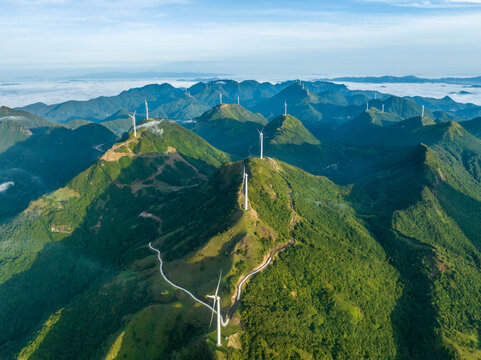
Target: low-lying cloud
(6, 185)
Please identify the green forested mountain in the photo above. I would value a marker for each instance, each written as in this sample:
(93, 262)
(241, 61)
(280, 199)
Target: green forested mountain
(473, 126)
(230, 128)
(403, 108)
(379, 258)
(287, 139)
(164, 101)
(16, 125)
(366, 127)
(297, 97)
(184, 108)
(78, 245)
(43, 162)
(76, 123)
(320, 105)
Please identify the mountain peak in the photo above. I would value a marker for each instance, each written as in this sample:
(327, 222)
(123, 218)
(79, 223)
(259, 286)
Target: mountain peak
(288, 129)
(232, 112)
(415, 122)
(297, 94)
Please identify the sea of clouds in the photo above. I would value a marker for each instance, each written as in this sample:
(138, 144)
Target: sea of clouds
(433, 90)
(15, 94)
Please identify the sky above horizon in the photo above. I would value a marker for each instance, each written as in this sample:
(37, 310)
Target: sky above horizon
(248, 38)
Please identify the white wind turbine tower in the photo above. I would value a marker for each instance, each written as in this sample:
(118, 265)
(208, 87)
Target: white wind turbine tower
(217, 299)
(382, 107)
(133, 122)
(238, 101)
(422, 112)
(245, 181)
(285, 107)
(367, 106)
(146, 110)
(261, 140)
(220, 97)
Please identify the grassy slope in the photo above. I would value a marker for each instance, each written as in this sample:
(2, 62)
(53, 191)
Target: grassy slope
(311, 288)
(76, 244)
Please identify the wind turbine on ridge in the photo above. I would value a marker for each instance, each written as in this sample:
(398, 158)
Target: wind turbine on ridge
(146, 110)
(285, 107)
(245, 179)
(220, 97)
(216, 298)
(422, 112)
(133, 122)
(261, 141)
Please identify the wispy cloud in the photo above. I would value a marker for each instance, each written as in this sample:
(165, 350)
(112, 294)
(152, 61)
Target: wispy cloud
(432, 4)
(221, 37)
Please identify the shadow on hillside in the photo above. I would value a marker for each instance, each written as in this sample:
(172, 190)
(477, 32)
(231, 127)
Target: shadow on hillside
(461, 208)
(45, 162)
(75, 273)
(414, 319)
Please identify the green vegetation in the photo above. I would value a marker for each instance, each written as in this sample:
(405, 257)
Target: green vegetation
(47, 161)
(79, 246)
(379, 260)
(230, 128)
(17, 126)
(473, 126)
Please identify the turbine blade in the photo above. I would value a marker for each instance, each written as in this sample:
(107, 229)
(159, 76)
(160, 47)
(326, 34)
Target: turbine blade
(212, 315)
(217, 289)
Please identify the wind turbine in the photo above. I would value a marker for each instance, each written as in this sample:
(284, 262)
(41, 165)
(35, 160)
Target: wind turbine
(133, 121)
(220, 97)
(238, 101)
(261, 140)
(285, 107)
(217, 299)
(422, 112)
(382, 107)
(367, 106)
(246, 178)
(146, 110)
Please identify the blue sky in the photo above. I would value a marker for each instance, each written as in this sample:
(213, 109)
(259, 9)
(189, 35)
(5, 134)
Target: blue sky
(261, 38)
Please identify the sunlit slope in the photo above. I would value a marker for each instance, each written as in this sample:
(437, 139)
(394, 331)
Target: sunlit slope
(307, 283)
(70, 244)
